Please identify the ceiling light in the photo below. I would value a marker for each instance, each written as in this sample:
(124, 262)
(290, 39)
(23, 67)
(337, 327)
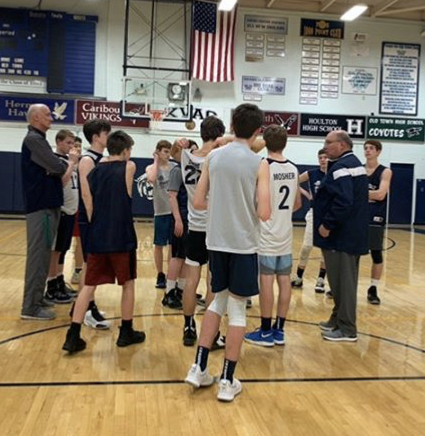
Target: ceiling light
(354, 12)
(226, 5)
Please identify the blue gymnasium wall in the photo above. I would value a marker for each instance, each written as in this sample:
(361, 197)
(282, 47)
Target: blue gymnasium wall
(11, 187)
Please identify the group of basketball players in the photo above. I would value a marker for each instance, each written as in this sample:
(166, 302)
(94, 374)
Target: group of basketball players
(220, 204)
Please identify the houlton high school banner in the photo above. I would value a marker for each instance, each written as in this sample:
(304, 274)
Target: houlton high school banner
(321, 125)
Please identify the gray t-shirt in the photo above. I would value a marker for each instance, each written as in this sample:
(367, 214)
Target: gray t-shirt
(191, 169)
(161, 200)
(233, 225)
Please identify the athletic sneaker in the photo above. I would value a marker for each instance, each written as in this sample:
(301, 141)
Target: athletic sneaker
(189, 336)
(73, 344)
(70, 290)
(260, 337)
(201, 302)
(95, 320)
(326, 326)
(279, 337)
(172, 301)
(58, 297)
(320, 286)
(249, 303)
(39, 314)
(329, 294)
(338, 336)
(372, 296)
(219, 343)
(76, 277)
(130, 337)
(227, 391)
(198, 378)
(297, 283)
(46, 303)
(161, 281)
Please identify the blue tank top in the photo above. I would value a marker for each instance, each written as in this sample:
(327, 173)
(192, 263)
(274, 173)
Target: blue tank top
(377, 209)
(111, 229)
(315, 177)
(82, 214)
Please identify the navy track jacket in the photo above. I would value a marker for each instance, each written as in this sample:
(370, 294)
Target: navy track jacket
(341, 205)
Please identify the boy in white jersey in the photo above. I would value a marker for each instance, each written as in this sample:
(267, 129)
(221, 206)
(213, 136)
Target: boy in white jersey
(234, 186)
(276, 240)
(196, 250)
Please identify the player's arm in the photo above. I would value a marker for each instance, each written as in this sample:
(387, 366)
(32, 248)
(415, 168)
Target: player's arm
(306, 194)
(384, 186)
(200, 201)
(130, 171)
(256, 147)
(152, 170)
(73, 160)
(297, 201)
(84, 168)
(263, 191)
(304, 177)
(178, 223)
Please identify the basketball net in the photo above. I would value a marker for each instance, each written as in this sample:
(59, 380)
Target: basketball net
(157, 116)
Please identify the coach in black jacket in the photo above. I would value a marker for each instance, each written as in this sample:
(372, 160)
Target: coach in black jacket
(341, 228)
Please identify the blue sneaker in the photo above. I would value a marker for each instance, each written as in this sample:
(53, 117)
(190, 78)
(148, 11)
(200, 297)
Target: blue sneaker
(260, 337)
(278, 337)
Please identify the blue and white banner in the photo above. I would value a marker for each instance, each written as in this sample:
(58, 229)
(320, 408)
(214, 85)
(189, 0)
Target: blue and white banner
(14, 108)
(263, 85)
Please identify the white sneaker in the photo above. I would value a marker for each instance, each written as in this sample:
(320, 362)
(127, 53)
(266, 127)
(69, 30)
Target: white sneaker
(227, 391)
(197, 378)
(90, 321)
(320, 286)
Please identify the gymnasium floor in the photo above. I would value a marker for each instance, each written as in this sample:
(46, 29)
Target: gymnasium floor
(309, 387)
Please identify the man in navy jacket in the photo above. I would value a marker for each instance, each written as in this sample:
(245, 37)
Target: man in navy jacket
(43, 197)
(341, 225)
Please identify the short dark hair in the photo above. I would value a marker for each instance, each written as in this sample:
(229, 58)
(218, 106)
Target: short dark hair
(212, 128)
(95, 127)
(321, 151)
(163, 144)
(78, 139)
(275, 137)
(246, 119)
(118, 141)
(377, 144)
(63, 134)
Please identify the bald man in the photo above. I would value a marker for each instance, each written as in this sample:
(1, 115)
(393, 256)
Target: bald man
(43, 196)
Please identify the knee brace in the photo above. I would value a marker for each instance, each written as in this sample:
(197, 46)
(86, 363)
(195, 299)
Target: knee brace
(236, 311)
(376, 256)
(219, 304)
(304, 255)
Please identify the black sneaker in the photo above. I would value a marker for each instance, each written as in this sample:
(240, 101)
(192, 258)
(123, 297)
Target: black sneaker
(329, 294)
(179, 293)
(96, 314)
(58, 297)
(161, 281)
(189, 336)
(73, 344)
(70, 290)
(297, 283)
(372, 296)
(130, 337)
(172, 301)
(219, 342)
(66, 289)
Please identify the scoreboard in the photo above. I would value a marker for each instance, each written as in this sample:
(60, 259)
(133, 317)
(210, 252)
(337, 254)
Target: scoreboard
(43, 44)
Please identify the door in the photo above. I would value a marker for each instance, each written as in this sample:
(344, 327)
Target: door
(401, 194)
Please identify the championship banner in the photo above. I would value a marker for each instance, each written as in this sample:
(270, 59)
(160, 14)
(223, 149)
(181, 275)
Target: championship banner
(322, 28)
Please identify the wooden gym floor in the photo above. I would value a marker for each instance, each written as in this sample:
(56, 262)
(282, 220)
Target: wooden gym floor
(309, 387)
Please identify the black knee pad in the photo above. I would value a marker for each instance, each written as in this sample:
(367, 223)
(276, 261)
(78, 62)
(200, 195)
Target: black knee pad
(376, 256)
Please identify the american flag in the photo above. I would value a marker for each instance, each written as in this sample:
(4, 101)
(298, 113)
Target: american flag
(213, 43)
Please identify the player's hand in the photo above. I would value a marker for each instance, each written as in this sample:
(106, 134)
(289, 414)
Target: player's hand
(73, 156)
(178, 228)
(323, 231)
(183, 143)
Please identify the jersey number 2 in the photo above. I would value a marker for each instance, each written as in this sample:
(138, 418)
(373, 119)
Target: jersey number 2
(285, 190)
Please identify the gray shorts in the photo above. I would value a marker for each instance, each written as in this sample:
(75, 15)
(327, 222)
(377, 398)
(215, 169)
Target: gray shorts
(279, 265)
(376, 237)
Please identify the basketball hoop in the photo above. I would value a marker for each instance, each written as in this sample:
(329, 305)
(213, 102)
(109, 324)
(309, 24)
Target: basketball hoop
(157, 116)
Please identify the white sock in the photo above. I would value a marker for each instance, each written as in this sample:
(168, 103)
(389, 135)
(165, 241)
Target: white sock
(181, 283)
(374, 282)
(171, 284)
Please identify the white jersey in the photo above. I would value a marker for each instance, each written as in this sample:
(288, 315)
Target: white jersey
(191, 171)
(276, 233)
(70, 190)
